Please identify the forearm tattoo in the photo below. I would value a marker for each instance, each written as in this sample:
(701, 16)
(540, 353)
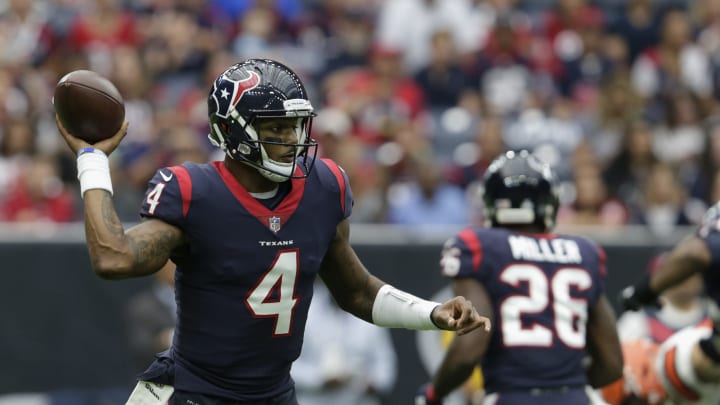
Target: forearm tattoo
(109, 216)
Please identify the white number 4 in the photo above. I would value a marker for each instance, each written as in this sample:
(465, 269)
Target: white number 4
(153, 197)
(281, 278)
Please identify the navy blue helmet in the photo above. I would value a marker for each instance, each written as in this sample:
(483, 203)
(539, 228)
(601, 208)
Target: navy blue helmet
(519, 189)
(252, 90)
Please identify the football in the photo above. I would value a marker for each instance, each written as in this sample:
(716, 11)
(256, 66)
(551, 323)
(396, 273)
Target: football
(88, 105)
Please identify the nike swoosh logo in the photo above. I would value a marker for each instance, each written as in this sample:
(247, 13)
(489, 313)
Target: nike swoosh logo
(165, 176)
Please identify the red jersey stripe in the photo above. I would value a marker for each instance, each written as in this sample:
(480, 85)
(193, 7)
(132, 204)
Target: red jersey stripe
(335, 169)
(469, 237)
(185, 183)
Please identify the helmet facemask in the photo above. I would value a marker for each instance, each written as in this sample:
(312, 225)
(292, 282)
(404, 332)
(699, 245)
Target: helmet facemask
(240, 140)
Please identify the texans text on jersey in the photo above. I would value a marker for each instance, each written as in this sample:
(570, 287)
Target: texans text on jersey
(276, 242)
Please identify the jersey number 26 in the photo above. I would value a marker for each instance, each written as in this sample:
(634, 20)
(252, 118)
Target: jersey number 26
(569, 313)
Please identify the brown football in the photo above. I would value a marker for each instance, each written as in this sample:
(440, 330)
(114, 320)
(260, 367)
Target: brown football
(89, 106)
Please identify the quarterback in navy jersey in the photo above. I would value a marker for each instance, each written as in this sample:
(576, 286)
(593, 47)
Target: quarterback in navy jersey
(249, 235)
(545, 292)
(689, 361)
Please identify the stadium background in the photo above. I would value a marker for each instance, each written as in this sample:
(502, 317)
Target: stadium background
(413, 98)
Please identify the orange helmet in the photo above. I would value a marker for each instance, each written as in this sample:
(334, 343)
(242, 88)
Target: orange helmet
(639, 377)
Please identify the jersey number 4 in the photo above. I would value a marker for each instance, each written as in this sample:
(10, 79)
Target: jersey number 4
(274, 294)
(153, 197)
(569, 313)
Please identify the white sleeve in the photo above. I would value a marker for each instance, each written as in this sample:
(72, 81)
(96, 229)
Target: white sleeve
(394, 308)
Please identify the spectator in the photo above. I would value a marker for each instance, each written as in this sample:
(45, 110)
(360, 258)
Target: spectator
(680, 140)
(381, 98)
(675, 63)
(102, 26)
(591, 205)
(638, 24)
(631, 168)
(349, 39)
(17, 145)
(582, 63)
(504, 70)
(37, 194)
(410, 24)
(707, 18)
(21, 27)
(618, 107)
(488, 143)
(427, 199)
(664, 205)
(442, 79)
(553, 134)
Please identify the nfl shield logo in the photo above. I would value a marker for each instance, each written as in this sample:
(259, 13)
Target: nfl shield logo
(274, 224)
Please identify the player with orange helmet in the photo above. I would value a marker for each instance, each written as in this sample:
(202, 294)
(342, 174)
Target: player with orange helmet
(640, 383)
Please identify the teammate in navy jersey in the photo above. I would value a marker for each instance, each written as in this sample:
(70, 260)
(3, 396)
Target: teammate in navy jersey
(544, 291)
(249, 235)
(690, 361)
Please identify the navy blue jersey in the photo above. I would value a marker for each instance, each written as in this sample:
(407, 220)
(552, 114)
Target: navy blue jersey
(244, 284)
(542, 288)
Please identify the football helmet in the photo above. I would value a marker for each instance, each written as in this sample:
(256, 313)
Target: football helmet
(257, 89)
(519, 189)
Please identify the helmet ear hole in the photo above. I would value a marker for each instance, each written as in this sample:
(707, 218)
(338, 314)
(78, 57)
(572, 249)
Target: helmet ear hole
(248, 151)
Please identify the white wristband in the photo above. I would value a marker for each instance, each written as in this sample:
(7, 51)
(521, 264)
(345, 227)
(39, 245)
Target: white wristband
(397, 309)
(93, 170)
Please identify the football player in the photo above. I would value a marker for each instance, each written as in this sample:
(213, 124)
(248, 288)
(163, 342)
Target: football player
(249, 236)
(642, 332)
(684, 304)
(689, 361)
(544, 291)
(640, 383)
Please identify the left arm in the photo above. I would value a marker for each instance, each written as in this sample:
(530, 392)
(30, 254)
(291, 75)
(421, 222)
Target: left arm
(690, 256)
(349, 282)
(465, 352)
(369, 298)
(603, 345)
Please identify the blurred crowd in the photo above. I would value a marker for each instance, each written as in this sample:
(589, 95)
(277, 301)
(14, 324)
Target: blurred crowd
(414, 97)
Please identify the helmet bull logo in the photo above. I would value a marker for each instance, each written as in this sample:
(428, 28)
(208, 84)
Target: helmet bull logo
(228, 92)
